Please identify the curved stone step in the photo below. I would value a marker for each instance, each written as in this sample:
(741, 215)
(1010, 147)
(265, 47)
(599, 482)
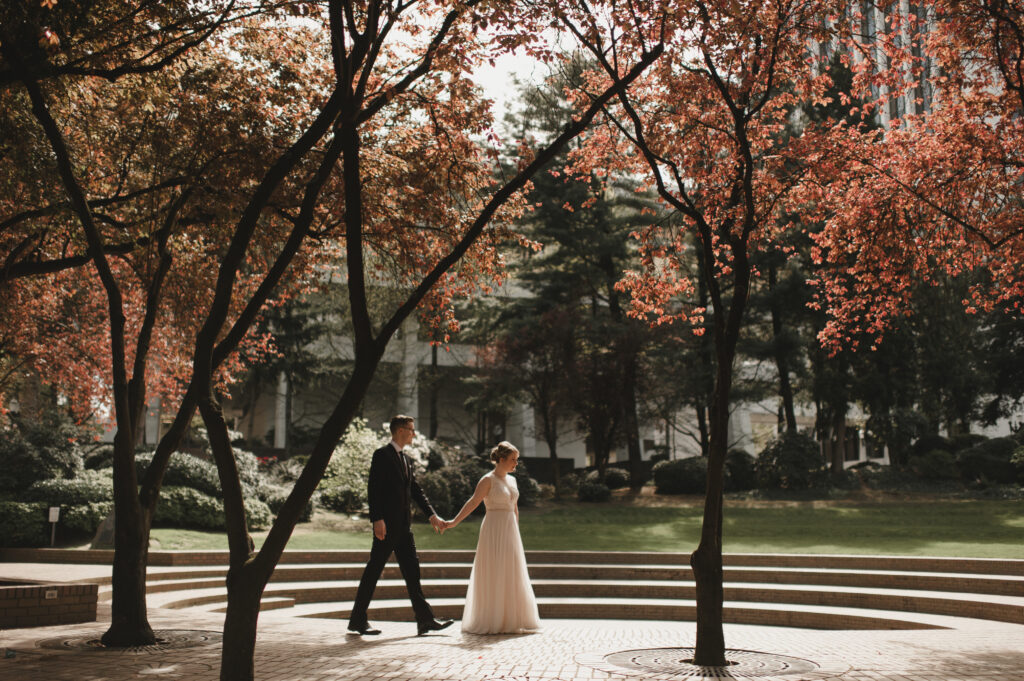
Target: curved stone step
(976, 606)
(952, 582)
(737, 612)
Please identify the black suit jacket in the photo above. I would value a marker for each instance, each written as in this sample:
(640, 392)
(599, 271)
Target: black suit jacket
(392, 487)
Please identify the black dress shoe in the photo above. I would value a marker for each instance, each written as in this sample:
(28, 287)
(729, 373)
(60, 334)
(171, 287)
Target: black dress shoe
(433, 625)
(364, 630)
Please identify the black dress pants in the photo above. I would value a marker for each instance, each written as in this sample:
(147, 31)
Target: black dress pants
(400, 542)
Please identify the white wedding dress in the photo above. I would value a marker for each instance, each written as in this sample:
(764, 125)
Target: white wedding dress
(500, 598)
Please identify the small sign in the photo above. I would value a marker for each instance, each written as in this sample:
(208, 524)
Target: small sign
(54, 514)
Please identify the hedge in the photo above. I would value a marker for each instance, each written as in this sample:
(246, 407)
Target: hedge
(790, 461)
(681, 476)
(594, 491)
(24, 524)
(89, 487)
(187, 507)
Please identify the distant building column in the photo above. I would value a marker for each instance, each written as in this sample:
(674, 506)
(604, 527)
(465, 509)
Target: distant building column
(408, 401)
(281, 412)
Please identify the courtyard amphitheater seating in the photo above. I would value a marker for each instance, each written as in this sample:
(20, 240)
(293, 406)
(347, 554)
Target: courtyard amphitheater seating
(815, 591)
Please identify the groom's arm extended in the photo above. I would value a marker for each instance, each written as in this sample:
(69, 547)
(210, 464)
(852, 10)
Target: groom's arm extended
(424, 503)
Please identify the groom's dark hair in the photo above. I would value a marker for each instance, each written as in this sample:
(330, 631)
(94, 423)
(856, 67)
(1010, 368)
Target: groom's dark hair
(399, 422)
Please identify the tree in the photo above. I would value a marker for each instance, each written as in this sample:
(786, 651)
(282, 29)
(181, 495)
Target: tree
(937, 192)
(400, 115)
(166, 181)
(703, 127)
(583, 224)
(531, 357)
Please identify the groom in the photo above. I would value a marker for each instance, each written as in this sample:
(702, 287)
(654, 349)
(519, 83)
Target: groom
(392, 484)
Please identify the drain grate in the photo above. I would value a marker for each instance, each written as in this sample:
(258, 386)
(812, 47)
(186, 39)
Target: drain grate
(166, 639)
(675, 664)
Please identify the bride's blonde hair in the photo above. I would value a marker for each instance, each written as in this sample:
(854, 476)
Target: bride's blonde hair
(502, 451)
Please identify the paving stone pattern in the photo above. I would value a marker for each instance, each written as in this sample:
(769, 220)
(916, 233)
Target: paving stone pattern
(302, 649)
(292, 647)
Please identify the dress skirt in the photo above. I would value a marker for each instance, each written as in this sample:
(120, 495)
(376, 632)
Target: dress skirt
(500, 598)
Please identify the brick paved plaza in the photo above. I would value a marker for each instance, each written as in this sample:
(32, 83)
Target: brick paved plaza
(295, 648)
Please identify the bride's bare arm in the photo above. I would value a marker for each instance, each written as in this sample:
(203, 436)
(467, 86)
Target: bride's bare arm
(482, 488)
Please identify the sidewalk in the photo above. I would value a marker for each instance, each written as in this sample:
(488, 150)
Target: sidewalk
(306, 649)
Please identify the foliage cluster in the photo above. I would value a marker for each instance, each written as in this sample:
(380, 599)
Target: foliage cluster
(791, 461)
(593, 492)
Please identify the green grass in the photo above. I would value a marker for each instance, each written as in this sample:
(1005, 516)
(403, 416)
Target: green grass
(983, 529)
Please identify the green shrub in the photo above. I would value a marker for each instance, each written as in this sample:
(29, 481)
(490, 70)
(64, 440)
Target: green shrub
(184, 470)
(928, 443)
(791, 461)
(614, 478)
(935, 465)
(593, 492)
(463, 477)
(187, 507)
(84, 519)
(1017, 459)
(989, 461)
(569, 484)
(99, 457)
(349, 467)
(38, 451)
(249, 474)
(342, 499)
(963, 441)
(24, 524)
(276, 495)
(257, 513)
(435, 485)
(741, 471)
(529, 489)
(89, 487)
(681, 476)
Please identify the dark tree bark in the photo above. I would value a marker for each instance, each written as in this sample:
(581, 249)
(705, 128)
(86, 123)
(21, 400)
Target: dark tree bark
(249, 572)
(781, 360)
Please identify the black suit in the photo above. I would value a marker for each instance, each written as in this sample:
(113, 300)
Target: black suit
(391, 488)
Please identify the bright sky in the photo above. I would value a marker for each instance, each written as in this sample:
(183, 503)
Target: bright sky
(498, 84)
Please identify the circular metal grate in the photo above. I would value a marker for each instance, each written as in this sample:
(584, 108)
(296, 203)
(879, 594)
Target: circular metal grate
(676, 664)
(166, 639)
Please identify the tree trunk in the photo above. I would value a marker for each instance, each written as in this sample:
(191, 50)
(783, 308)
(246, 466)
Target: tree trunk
(702, 428)
(245, 591)
(632, 426)
(781, 361)
(551, 438)
(706, 561)
(129, 623)
(839, 440)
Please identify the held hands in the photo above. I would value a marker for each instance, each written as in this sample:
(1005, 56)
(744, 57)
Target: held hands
(440, 524)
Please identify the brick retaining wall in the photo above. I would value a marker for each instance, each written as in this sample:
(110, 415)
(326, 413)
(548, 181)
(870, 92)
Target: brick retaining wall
(37, 605)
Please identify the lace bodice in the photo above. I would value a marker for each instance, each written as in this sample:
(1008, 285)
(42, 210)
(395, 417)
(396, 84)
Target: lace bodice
(503, 493)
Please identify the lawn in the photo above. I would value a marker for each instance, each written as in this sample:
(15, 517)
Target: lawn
(983, 529)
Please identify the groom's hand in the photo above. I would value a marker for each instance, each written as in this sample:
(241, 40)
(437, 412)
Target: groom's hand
(380, 530)
(437, 524)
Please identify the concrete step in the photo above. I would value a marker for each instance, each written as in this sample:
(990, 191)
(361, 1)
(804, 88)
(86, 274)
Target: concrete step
(977, 606)
(184, 578)
(736, 612)
(983, 566)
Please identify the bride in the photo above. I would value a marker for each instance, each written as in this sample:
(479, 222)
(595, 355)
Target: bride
(499, 599)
